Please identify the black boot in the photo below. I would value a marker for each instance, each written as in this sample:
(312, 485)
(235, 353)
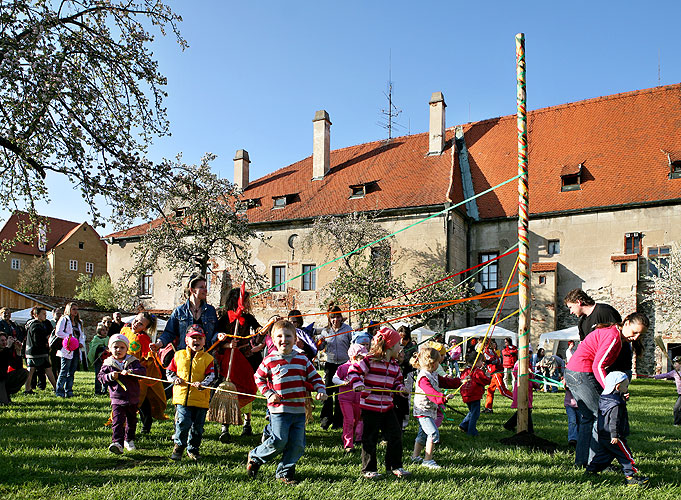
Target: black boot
(247, 430)
(224, 435)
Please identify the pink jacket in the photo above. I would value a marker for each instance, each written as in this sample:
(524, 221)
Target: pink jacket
(596, 352)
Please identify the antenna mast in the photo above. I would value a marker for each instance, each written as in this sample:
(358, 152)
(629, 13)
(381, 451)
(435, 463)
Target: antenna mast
(392, 112)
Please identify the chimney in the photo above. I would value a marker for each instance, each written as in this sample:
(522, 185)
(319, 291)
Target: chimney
(241, 163)
(436, 143)
(321, 146)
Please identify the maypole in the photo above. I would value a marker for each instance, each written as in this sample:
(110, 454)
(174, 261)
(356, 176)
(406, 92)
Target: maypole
(523, 238)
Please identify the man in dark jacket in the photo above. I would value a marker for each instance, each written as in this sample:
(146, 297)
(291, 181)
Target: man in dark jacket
(10, 357)
(613, 429)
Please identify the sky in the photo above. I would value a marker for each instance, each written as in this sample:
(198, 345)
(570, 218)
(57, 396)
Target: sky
(255, 72)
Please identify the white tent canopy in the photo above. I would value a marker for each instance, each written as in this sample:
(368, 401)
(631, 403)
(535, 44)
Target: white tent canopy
(22, 317)
(551, 341)
(479, 331)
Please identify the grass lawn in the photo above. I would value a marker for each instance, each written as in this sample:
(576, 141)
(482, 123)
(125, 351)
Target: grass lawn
(57, 448)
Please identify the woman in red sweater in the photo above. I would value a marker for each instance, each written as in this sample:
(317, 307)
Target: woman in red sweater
(585, 375)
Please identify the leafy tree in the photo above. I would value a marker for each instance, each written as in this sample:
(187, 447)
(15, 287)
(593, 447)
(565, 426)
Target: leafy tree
(198, 225)
(98, 289)
(80, 96)
(36, 277)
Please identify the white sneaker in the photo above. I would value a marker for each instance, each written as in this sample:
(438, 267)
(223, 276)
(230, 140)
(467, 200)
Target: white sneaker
(129, 445)
(416, 460)
(116, 448)
(430, 464)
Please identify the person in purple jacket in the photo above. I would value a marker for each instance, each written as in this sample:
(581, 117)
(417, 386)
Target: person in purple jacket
(676, 375)
(124, 391)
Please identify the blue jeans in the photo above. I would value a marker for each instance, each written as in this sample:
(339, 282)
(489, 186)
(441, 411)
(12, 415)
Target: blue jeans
(471, 419)
(189, 422)
(287, 436)
(66, 375)
(574, 419)
(586, 391)
(427, 429)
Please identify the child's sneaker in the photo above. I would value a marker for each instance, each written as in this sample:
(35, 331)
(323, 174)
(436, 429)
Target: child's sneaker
(430, 464)
(416, 460)
(636, 480)
(373, 475)
(194, 455)
(288, 481)
(401, 472)
(177, 453)
(129, 445)
(116, 448)
(252, 467)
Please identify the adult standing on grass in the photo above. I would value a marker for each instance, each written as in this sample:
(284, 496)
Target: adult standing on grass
(57, 313)
(70, 330)
(585, 375)
(10, 327)
(10, 357)
(37, 348)
(336, 339)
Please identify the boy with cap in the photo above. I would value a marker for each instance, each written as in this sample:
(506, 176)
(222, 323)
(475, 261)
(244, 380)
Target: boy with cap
(191, 371)
(613, 428)
(117, 374)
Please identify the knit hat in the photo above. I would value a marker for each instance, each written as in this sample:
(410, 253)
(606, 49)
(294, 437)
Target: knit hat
(361, 338)
(612, 379)
(357, 350)
(118, 338)
(390, 336)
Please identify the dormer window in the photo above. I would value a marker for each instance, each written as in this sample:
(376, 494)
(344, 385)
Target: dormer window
(571, 178)
(279, 202)
(361, 190)
(282, 201)
(675, 169)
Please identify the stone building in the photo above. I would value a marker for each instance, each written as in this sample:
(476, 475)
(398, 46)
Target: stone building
(605, 204)
(70, 249)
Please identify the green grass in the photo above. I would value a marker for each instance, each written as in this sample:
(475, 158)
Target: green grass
(57, 448)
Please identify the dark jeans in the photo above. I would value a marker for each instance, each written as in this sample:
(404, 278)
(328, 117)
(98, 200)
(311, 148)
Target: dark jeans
(607, 451)
(677, 411)
(470, 421)
(123, 423)
(189, 421)
(14, 381)
(586, 391)
(145, 415)
(99, 388)
(387, 423)
(331, 409)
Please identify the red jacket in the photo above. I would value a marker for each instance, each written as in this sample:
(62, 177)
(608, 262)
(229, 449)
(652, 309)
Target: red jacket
(510, 355)
(475, 387)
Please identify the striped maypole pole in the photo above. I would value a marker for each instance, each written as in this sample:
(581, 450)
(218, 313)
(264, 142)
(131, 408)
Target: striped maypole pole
(523, 238)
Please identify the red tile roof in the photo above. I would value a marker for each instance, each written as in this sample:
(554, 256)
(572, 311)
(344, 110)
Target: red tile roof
(58, 228)
(542, 267)
(618, 140)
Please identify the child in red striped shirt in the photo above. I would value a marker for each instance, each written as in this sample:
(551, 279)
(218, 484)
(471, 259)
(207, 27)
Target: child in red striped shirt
(376, 376)
(283, 378)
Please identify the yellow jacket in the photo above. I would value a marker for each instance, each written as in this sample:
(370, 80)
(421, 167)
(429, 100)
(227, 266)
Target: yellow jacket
(191, 367)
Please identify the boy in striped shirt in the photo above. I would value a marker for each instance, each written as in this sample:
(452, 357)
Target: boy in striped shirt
(284, 378)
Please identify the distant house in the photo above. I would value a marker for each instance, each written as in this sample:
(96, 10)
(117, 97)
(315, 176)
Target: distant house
(71, 249)
(605, 204)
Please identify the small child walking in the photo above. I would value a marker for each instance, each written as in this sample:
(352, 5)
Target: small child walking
(613, 429)
(427, 402)
(98, 346)
(349, 400)
(283, 378)
(191, 371)
(472, 391)
(124, 391)
(376, 376)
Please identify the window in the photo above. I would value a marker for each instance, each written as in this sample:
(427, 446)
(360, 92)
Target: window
(489, 274)
(380, 258)
(542, 280)
(570, 183)
(658, 260)
(623, 267)
(632, 243)
(553, 247)
(81, 245)
(16, 264)
(279, 202)
(147, 284)
(278, 278)
(309, 277)
(357, 191)
(89, 267)
(73, 265)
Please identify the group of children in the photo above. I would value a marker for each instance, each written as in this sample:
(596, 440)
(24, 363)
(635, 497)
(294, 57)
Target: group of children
(370, 379)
